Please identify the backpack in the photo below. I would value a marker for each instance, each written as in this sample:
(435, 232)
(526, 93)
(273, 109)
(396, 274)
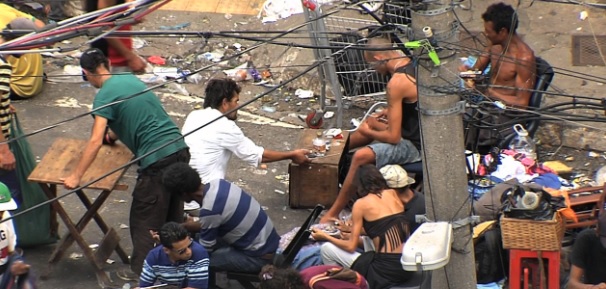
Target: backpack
(351, 67)
(491, 259)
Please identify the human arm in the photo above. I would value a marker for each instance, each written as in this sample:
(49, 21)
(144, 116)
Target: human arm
(351, 244)
(525, 76)
(209, 228)
(134, 61)
(148, 276)
(481, 63)
(90, 153)
(576, 275)
(398, 90)
(297, 156)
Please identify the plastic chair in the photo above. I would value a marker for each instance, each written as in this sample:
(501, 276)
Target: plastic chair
(285, 258)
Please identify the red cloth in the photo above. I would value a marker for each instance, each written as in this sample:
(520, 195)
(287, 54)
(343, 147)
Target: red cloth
(115, 58)
(310, 272)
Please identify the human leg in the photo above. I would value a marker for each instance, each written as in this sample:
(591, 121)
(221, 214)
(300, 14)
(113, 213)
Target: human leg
(402, 153)
(229, 259)
(356, 140)
(333, 255)
(361, 157)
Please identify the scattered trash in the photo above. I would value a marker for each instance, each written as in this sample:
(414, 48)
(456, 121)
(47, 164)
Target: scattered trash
(280, 192)
(66, 42)
(329, 114)
(259, 172)
(600, 175)
(75, 256)
(194, 78)
(175, 27)
(593, 155)
(228, 16)
(580, 28)
(120, 201)
(238, 72)
(569, 159)
(167, 72)
(268, 108)
(139, 43)
(583, 15)
(110, 261)
(69, 74)
(264, 208)
(157, 60)
(303, 94)
(174, 87)
(214, 56)
(126, 286)
(123, 226)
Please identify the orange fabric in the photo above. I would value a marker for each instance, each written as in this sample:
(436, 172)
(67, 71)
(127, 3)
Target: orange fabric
(567, 212)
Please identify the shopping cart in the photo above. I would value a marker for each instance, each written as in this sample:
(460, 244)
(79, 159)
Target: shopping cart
(344, 74)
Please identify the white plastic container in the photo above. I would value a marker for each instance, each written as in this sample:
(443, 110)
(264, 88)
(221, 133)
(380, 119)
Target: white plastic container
(428, 248)
(522, 143)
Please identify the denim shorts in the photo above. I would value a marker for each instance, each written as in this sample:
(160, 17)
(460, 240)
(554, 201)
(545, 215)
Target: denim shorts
(402, 153)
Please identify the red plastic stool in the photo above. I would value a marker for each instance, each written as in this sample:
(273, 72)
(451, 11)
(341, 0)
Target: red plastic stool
(519, 273)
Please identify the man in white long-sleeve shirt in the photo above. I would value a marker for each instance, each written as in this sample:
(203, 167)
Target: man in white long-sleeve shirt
(212, 146)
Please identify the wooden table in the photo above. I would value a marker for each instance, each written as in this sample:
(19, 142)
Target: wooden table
(317, 182)
(58, 162)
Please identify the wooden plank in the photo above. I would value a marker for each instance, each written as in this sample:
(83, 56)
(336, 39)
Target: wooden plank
(64, 154)
(244, 7)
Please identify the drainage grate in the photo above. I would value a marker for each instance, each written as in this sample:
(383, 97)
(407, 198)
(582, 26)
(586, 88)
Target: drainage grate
(585, 51)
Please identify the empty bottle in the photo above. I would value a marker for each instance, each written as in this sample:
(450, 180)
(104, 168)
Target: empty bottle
(522, 143)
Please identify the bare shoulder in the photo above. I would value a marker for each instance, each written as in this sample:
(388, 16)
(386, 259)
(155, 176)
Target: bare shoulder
(525, 54)
(399, 86)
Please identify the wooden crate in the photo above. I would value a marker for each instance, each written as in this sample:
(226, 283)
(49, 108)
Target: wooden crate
(317, 182)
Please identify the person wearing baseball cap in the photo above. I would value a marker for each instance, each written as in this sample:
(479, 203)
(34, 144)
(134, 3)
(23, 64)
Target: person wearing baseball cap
(414, 202)
(589, 258)
(8, 240)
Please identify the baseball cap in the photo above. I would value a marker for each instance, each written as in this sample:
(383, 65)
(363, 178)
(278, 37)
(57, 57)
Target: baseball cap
(396, 177)
(602, 228)
(6, 201)
(92, 58)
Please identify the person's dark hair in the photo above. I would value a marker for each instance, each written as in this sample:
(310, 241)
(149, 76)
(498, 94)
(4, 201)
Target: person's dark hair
(277, 278)
(92, 58)
(180, 178)
(502, 16)
(369, 180)
(219, 89)
(172, 232)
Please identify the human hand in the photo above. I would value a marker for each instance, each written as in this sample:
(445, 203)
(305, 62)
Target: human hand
(71, 182)
(364, 128)
(345, 235)
(300, 156)
(599, 286)
(136, 64)
(7, 160)
(344, 226)
(12, 109)
(19, 268)
(319, 235)
(155, 236)
(464, 68)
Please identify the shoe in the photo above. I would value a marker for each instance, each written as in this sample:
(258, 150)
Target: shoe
(193, 205)
(127, 275)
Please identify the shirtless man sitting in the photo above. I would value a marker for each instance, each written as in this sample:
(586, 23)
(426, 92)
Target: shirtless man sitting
(392, 136)
(513, 66)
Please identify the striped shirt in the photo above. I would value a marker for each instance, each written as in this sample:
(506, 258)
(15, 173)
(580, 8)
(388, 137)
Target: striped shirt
(237, 218)
(5, 101)
(191, 273)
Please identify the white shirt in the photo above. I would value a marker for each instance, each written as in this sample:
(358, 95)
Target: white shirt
(8, 239)
(212, 146)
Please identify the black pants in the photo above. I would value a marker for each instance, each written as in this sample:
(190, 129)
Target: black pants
(152, 207)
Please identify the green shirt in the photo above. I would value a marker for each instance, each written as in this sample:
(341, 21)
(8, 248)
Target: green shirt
(140, 122)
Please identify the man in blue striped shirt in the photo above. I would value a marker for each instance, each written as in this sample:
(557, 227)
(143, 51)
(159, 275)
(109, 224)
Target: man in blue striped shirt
(238, 234)
(179, 261)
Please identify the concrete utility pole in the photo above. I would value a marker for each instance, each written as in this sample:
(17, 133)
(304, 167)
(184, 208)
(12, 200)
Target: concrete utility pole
(441, 114)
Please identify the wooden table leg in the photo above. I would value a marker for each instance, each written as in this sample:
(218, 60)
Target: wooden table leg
(68, 238)
(101, 223)
(51, 193)
(73, 233)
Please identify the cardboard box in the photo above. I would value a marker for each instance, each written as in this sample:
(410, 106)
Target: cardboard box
(317, 182)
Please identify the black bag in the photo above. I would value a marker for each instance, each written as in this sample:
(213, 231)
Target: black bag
(491, 259)
(351, 66)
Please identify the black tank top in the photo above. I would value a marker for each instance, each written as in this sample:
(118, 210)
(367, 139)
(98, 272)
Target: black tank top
(410, 114)
(393, 229)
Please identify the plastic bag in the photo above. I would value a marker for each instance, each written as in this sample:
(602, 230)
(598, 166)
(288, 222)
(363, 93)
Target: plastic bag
(530, 202)
(32, 228)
